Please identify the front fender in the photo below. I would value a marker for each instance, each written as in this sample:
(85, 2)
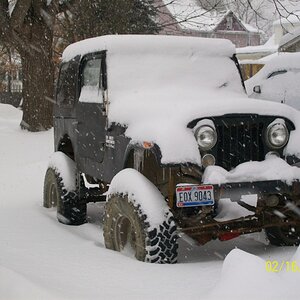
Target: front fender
(137, 150)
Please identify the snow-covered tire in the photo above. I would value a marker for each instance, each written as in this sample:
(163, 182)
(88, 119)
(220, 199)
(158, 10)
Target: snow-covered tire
(283, 236)
(70, 209)
(128, 224)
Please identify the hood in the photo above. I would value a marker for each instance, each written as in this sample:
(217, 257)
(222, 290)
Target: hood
(162, 118)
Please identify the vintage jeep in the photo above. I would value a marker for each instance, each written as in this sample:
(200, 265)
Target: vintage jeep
(160, 128)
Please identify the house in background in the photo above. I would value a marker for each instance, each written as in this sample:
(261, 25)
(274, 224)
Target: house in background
(10, 71)
(11, 84)
(290, 42)
(286, 26)
(13, 81)
(189, 18)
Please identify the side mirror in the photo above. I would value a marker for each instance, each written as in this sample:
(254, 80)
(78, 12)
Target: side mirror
(257, 89)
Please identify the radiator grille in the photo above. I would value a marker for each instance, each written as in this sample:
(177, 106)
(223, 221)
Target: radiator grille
(239, 141)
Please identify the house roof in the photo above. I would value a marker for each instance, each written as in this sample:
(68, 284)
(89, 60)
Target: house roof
(290, 38)
(191, 16)
(268, 47)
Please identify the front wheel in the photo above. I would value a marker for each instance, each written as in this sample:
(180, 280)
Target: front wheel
(129, 226)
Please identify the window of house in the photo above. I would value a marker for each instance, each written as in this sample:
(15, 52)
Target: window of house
(229, 22)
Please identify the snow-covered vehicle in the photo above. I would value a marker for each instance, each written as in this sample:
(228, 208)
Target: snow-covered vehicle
(278, 80)
(160, 127)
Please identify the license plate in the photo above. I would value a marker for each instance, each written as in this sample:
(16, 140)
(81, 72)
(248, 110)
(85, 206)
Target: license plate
(194, 195)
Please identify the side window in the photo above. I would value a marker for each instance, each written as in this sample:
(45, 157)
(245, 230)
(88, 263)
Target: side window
(66, 85)
(91, 87)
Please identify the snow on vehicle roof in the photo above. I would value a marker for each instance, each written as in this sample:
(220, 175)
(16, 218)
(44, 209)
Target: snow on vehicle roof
(279, 62)
(129, 44)
(278, 80)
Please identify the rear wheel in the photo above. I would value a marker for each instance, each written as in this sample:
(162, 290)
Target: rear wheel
(71, 210)
(284, 236)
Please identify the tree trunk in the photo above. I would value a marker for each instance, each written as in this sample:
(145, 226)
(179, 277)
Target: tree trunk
(38, 78)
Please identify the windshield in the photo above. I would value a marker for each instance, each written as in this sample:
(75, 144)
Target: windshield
(178, 74)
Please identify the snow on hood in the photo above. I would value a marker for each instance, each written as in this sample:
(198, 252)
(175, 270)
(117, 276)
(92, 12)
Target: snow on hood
(165, 122)
(158, 84)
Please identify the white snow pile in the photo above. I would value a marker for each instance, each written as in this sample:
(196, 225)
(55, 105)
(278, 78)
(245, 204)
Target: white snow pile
(173, 80)
(9, 116)
(283, 87)
(272, 168)
(244, 276)
(228, 210)
(140, 191)
(23, 289)
(66, 168)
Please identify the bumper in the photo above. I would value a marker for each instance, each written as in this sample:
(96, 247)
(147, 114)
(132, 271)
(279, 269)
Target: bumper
(263, 189)
(268, 213)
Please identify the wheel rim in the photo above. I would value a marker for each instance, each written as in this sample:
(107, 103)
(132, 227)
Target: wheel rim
(53, 195)
(125, 235)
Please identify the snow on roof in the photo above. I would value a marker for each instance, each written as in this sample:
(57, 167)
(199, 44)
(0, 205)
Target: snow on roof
(269, 46)
(289, 37)
(250, 28)
(267, 58)
(143, 44)
(191, 16)
(293, 18)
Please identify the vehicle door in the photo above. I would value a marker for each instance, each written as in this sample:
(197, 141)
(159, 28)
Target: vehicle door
(90, 109)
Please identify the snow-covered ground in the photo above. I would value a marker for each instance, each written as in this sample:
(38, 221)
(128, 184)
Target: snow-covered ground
(43, 259)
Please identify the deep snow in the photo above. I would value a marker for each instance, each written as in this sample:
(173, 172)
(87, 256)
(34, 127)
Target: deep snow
(43, 259)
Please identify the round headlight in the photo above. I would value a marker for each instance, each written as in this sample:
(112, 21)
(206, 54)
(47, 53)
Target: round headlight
(277, 135)
(206, 137)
